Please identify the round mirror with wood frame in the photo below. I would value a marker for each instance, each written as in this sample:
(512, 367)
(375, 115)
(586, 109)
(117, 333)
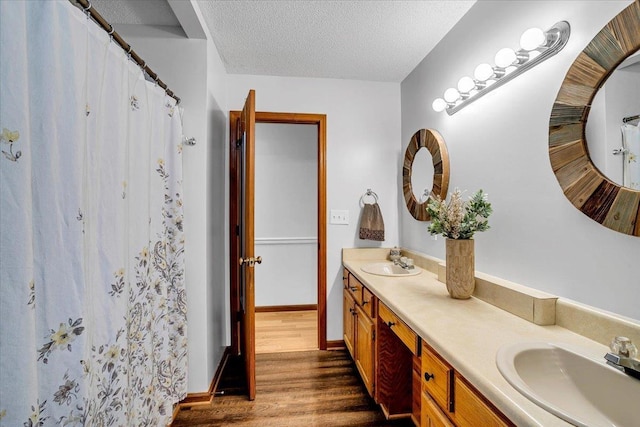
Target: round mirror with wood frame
(601, 199)
(434, 143)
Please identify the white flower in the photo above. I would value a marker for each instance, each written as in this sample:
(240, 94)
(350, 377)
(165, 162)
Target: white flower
(9, 137)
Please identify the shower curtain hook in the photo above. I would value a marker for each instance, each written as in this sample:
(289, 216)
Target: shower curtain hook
(87, 9)
(156, 79)
(110, 33)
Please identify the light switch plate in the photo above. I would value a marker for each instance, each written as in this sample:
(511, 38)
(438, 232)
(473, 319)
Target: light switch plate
(339, 217)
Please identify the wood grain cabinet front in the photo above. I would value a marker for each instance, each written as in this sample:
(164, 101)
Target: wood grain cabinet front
(430, 413)
(472, 409)
(404, 332)
(437, 378)
(359, 328)
(449, 400)
(365, 335)
(348, 321)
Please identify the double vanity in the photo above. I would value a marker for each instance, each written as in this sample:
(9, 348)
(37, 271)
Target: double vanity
(507, 356)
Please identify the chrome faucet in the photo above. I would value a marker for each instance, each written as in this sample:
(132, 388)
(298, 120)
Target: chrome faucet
(623, 356)
(405, 263)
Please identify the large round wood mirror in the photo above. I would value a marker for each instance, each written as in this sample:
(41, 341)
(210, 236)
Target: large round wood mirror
(588, 189)
(417, 184)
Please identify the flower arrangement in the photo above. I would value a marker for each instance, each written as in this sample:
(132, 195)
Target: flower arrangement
(459, 219)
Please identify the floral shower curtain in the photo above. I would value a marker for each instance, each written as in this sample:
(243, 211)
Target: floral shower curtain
(92, 299)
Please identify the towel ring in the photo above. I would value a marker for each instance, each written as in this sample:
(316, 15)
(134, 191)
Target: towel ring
(425, 196)
(369, 193)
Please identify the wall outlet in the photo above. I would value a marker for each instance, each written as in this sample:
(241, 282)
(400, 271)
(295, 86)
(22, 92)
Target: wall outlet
(339, 217)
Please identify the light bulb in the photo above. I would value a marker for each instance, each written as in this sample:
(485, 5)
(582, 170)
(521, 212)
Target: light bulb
(532, 39)
(439, 105)
(483, 72)
(505, 57)
(466, 84)
(451, 95)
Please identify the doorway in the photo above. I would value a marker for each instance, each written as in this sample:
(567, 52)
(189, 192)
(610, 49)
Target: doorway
(319, 122)
(285, 227)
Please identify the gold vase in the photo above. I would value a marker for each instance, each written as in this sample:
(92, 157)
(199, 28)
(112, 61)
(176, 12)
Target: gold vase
(461, 280)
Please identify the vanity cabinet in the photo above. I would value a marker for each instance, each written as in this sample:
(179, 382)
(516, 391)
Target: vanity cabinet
(403, 373)
(359, 328)
(448, 400)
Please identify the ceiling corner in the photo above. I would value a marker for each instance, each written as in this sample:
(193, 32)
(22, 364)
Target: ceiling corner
(190, 18)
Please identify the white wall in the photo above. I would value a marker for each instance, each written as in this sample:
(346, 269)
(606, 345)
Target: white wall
(217, 328)
(500, 144)
(192, 69)
(363, 151)
(286, 182)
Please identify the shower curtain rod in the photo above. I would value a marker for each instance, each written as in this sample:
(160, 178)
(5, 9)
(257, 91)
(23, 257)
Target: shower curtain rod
(630, 119)
(89, 9)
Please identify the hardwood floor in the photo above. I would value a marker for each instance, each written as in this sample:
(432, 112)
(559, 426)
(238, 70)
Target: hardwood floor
(282, 331)
(312, 388)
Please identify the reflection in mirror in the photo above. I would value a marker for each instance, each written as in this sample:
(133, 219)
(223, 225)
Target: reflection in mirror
(422, 174)
(427, 158)
(614, 146)
(585, 186)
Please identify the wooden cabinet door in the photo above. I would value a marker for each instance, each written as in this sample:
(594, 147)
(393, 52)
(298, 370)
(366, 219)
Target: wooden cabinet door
(473, 410)
(348, 321)
(431, 415)
(365, 331)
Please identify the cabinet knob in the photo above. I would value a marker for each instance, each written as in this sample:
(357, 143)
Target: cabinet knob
(428, 376)
(353, 288)
(390, 323)
(365, 302)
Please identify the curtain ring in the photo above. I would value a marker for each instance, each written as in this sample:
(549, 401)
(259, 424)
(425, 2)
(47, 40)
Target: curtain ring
(86, 9)
(110, 33)
(156, 79)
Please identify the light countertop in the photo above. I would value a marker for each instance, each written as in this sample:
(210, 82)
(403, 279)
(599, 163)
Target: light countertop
(468, 333)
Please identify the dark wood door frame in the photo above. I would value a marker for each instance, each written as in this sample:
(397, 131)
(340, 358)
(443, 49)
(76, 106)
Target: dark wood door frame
(319, 120)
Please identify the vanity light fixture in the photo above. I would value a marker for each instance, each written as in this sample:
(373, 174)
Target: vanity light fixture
(536, 46)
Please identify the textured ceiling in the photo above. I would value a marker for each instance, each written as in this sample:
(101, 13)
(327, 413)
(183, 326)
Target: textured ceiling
(143, 12)
(379, 40)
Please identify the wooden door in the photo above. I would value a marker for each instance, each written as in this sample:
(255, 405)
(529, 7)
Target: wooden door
(246, 261)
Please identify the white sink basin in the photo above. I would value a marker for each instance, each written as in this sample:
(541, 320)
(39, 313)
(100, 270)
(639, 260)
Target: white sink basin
(576, 388)
(389, 269)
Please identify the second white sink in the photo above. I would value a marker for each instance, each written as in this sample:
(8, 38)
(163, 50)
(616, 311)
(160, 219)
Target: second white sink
(389, 269)
(576, 388)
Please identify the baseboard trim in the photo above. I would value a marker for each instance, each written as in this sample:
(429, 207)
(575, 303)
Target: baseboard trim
(336, 345)
(206, 397)
(275, 308)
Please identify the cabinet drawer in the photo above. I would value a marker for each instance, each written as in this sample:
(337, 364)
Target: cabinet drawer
(405, 333)
(355, 287)
(431, 415)
(471, 409)
(368, 303)
(437, 378)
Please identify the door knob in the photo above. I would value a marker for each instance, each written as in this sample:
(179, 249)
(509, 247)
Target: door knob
(251, 261)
